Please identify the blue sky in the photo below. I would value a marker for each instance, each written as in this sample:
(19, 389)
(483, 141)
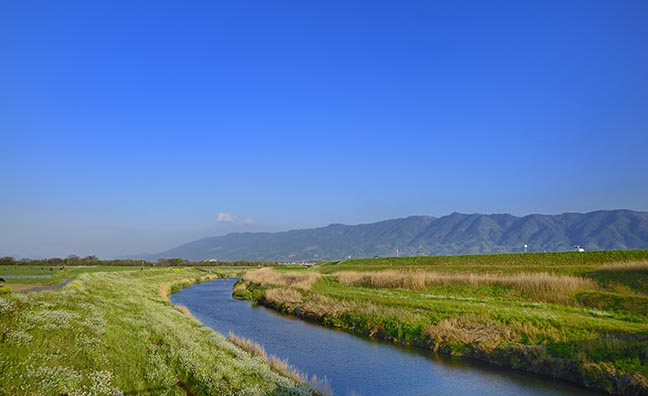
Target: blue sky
(129, 126)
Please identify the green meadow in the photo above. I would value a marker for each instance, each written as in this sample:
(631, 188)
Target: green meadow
(112, 331)
(579, 317)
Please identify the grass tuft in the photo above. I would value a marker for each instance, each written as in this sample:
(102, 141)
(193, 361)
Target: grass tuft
(182, 309)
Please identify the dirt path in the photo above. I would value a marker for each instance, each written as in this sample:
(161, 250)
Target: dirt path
(28, 288)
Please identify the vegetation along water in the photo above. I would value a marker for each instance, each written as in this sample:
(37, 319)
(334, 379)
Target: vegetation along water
(353, 365)
(578, 317)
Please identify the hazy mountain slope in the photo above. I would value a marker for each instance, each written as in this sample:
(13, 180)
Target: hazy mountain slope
(453, 234)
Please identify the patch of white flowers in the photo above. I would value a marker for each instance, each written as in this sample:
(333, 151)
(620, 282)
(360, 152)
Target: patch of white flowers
(100, 385)
(45, 304)
(88, 343)
(68, 381)
(19, 337)
(6, 306)
(599, 313)
(52, 320)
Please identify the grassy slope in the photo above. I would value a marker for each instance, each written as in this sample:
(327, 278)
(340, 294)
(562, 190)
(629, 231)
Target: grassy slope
(114, 332)
(597, 336)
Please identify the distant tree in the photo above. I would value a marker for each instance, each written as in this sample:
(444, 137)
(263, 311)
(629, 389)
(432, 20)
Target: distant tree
(174, 262)
(7, 260)
(72, 259)
(171, 262)
(90, 259)
(55, 261)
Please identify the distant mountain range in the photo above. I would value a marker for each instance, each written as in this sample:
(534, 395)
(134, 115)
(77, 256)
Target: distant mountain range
(448, 235)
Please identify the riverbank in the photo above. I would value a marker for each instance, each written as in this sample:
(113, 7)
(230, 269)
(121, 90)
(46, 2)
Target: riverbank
(115, 334)
(562, 317)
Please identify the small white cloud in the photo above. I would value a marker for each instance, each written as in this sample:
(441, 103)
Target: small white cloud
(248, 221)
(224, 217)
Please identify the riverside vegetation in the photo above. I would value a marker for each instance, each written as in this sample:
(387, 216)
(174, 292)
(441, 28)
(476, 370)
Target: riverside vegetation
(579, 317)
(115, 333)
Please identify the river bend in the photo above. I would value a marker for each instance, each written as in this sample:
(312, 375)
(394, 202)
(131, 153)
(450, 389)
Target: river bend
(353, 365)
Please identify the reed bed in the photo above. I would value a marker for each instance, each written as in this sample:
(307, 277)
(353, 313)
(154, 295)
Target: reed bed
(267, 277)
(288, 297)
(316, 306)
(629, 266)
(540, 284)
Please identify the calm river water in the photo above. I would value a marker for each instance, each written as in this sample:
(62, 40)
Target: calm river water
(357, 366)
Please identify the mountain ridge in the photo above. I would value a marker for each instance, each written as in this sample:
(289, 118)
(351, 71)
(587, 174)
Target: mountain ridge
(456, 233)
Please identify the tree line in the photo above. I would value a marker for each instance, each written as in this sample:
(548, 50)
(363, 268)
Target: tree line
(74, 260)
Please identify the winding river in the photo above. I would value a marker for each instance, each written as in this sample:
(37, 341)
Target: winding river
(357, 366)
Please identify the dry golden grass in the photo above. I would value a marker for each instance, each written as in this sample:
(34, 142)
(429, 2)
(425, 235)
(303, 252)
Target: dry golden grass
(280, 365)
(478, 329)
(183, 309)
(468, 329)
(187, 282)
(320, 306)
(163, 291)
(289, 298)
(315, 306)
(285, 368)
(267, 277)
(250, 346)
(541, 285)
(630, 266)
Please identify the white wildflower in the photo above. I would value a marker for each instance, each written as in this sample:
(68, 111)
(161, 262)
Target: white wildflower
(6, 306)
(19, 337)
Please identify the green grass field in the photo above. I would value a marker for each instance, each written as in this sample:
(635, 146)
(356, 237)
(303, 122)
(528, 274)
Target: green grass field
(57, 274)
(566, 263)
(113, 332)
(581, 317)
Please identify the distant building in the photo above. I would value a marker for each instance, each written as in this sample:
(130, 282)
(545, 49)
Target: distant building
(578, 248)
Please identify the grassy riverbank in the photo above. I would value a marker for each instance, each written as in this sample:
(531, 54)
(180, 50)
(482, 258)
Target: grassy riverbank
(580, 317)
(115, 333)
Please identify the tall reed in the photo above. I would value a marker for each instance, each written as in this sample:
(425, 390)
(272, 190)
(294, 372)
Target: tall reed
(541, 285)
(280, 365)
(267, 277)
(629, 266)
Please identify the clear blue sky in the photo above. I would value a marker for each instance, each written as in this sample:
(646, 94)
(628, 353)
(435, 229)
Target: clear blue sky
(134, 126)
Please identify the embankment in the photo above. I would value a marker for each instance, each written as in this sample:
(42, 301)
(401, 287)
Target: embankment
(116, 333)
(544, 323)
